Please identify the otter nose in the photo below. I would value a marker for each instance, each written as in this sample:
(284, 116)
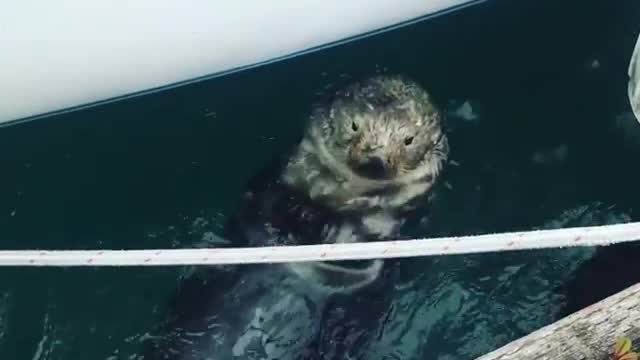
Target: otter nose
(374, 167)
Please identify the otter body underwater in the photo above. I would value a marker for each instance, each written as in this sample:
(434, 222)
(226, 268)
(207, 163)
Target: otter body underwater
(369, 158)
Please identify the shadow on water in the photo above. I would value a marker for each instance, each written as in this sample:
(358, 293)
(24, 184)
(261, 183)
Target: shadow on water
(163, 171)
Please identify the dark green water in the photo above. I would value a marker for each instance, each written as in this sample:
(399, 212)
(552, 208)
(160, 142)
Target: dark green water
(164, 169)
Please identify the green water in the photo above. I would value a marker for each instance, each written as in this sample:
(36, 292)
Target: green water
(164, 169)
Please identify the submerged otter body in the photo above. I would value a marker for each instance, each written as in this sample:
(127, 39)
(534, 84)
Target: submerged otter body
(366, 162)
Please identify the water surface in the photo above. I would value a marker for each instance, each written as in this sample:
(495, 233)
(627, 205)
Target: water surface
(547, 79)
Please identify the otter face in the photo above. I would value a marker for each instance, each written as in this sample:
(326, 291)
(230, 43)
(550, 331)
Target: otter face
(385, 143)
(378, 145)
(383, 128)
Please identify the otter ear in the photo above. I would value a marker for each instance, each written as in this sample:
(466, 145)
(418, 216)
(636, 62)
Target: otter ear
(429, 120)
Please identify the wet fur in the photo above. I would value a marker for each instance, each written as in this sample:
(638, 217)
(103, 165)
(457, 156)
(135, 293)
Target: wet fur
(314, 196)
(386, 111)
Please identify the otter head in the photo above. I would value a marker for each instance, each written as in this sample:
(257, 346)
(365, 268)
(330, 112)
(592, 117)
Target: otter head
(378, 144)
(383, 129)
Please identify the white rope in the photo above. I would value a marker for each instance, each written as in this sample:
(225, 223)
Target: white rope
(568, 237)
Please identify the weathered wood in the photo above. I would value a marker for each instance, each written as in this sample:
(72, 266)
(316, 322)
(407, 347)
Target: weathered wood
(588, 334)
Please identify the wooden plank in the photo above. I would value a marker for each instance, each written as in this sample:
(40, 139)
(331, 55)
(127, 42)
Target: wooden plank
(588, 334)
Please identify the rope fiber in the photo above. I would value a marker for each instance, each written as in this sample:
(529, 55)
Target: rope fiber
(528, 240)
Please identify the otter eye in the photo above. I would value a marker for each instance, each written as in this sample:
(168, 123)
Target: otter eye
(408, 140)
(354, 127)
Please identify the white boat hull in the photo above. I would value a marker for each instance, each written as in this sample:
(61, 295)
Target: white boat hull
(58, 55)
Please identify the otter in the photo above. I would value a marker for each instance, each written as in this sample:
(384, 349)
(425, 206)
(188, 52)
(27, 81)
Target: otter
(369, 158)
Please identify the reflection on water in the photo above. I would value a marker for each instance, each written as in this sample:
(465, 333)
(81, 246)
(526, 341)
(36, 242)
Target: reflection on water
(545, 150)
(462, 306)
